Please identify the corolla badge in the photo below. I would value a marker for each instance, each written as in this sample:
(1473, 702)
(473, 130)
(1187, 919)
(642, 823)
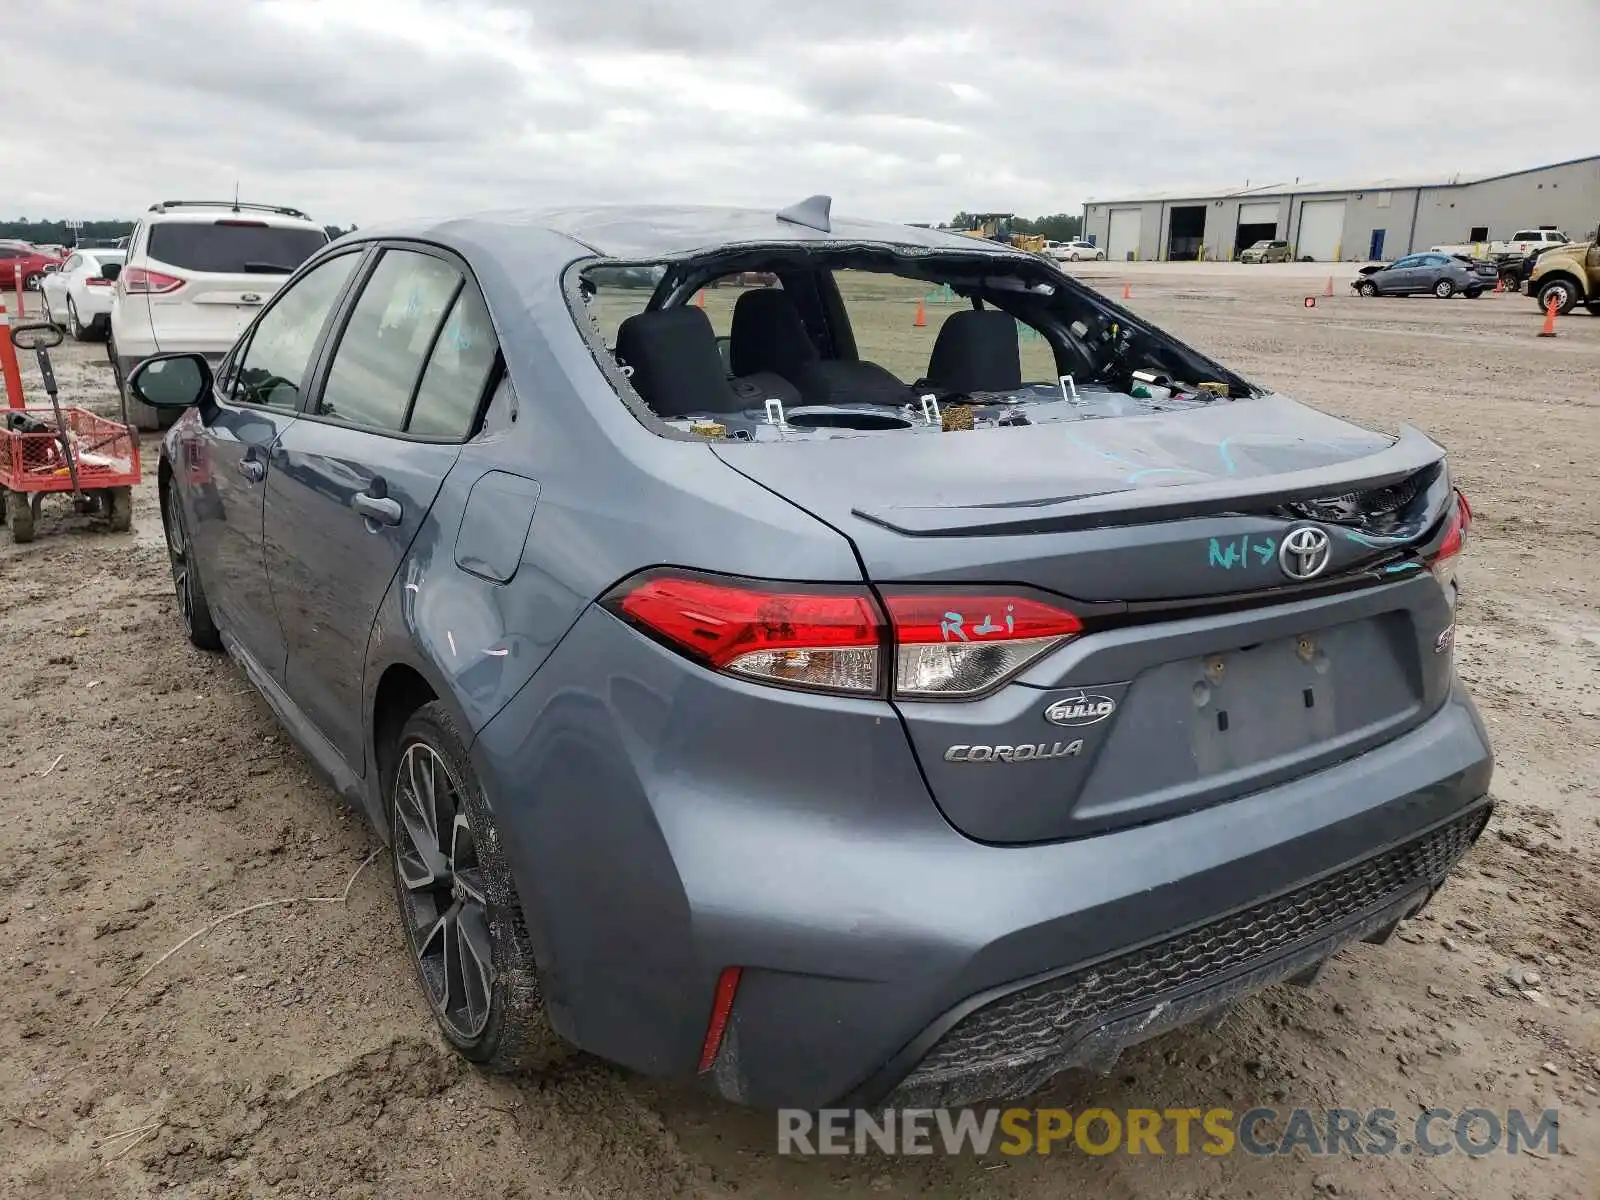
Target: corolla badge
(1084, 709)
(1014, 754)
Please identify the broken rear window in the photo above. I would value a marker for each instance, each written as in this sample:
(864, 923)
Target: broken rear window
(760, 344)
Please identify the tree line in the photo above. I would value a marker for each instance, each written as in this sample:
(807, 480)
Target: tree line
(1058, 227)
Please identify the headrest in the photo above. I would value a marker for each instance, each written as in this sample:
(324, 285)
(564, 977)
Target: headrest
(768, 334)
(976, 351)
(677, 367)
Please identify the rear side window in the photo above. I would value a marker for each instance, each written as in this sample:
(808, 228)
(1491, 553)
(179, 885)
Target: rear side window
(389, 334)
(273, 365)
(234, 247)
(457, 371)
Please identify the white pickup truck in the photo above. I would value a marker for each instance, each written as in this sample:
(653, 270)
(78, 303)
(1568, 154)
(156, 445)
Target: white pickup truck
(1518, 245)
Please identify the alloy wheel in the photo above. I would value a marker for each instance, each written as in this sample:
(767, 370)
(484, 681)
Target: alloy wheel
(74, 326)
(443, 891)
(178, 555)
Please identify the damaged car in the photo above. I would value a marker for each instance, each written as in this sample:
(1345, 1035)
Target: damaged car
(756, 685)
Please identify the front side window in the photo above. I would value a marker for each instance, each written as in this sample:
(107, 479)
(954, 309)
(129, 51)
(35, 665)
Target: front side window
(390, 332)
(273, 366)
(73, 263)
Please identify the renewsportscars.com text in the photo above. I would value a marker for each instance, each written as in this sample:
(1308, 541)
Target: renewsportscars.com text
(1262, 1132)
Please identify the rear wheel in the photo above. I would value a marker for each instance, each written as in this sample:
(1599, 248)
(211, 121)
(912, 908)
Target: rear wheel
(119, 509)
(462, 919)
(1367, 288)
(19, 516)
(1444, 289)
(193, 610)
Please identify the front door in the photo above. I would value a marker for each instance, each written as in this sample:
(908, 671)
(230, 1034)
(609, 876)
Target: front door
(257, 397)
(1375, 248)
(351, 483)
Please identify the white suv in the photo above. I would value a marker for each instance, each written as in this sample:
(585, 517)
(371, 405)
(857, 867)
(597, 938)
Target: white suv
(196, 274)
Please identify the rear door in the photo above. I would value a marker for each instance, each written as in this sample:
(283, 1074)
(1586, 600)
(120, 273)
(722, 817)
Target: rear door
(256, 397)
(218, 274)
(353, 480)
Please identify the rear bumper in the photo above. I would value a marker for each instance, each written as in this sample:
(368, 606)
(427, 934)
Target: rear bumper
(664, 823)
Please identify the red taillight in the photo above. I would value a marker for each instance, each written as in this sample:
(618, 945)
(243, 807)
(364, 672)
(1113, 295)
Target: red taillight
(139, 281)
(1443, 561)
(825, 639)
(721, 1009)
(956, 644)
(946, 644)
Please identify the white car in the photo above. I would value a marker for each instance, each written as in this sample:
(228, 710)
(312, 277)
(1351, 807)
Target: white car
(1073, 251)
(77, 296)
(196, 274)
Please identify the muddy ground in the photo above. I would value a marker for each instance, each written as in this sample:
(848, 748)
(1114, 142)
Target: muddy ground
(146, 792)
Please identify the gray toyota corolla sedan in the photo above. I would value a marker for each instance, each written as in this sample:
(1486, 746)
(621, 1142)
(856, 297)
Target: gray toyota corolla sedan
(850, 662)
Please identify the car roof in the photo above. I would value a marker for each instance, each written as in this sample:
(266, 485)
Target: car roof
(209, 214)
(654, 232)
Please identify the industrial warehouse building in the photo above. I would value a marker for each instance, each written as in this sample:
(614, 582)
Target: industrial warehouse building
(1379, 220)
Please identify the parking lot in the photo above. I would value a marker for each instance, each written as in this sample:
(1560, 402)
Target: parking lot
(148, 792)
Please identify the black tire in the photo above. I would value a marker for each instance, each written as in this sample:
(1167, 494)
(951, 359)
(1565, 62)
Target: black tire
(454, 891)
(1594, 308)
(1564, 290)
(19, 517)
(1367, 288)
(78, 330)
(1444, 289)
(1473, 293)
(193, 610)
(31, 283)
(119, 510)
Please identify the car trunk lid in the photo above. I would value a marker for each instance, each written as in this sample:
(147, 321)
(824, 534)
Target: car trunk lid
(1205, 670)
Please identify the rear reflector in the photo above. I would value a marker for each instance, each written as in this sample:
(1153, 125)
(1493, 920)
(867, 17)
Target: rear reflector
(139, 281)
(821, 639)
(959, 644)
(721, 1010)
(96, 281)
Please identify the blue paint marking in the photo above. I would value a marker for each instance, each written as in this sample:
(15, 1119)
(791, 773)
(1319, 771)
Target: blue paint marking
(1372, 543)
(1077, 440)
(1227, 459)
(1138, 475)
(1236, 552)
(1397, 568)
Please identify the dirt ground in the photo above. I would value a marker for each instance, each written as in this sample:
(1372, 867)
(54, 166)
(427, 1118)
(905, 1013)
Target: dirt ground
(149, 793)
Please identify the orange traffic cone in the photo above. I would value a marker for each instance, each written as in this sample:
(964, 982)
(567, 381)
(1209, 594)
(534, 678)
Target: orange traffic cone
(1328, 291)
(1127, 291)
(700, 298)
(922, 317)
(1549, 329)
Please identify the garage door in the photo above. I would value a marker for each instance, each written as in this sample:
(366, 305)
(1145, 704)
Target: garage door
(1124, 237)
(1258, 214)
(1321, 230)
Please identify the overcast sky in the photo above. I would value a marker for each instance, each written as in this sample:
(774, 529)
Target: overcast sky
(902, 109)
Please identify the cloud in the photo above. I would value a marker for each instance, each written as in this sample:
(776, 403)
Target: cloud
(359, 110)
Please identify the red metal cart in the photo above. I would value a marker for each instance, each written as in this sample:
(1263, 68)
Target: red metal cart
(71, 450)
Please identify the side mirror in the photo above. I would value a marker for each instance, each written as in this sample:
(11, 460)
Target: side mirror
(171, 380)
(52, 268)
(110, 271)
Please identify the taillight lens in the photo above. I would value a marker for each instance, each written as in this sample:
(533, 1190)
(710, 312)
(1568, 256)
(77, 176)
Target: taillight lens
(1443, 562)
(140, 281)
(821, 639)
(947, 644)
(955, 644)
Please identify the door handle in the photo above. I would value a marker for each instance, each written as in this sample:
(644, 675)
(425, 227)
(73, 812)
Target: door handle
(381, 509)
(253, 469)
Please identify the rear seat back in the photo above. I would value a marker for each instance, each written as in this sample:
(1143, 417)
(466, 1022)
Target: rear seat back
(676, 365)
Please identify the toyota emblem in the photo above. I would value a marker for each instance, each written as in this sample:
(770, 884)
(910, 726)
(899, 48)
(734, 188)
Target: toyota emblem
(1305, 552)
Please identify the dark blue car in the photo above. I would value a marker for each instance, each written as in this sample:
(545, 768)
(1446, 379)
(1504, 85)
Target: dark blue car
(737, 704)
